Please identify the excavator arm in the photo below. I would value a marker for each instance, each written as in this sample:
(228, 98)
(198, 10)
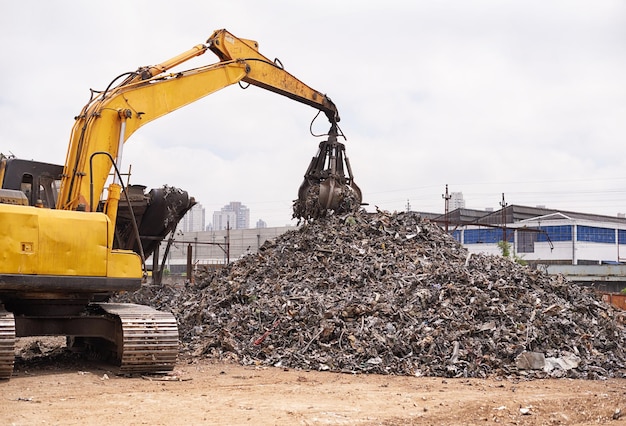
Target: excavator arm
(112, 116)
(269, 75)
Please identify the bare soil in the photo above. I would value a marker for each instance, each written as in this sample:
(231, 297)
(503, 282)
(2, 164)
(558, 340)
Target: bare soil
(56, 388)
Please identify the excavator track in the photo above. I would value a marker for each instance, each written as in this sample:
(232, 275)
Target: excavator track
(149, 338)
(7, 343)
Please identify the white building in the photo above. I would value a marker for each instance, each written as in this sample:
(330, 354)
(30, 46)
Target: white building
(235, 214)
(456, 201)
(585, 247)
(540, 235)
(193, 219)
(224, 220)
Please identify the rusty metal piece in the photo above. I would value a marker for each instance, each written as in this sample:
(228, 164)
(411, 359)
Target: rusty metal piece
(156, 213)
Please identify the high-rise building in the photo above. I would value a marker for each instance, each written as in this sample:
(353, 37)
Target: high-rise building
(224, 220)
(235, 215)
(193, 221)
(456, 201)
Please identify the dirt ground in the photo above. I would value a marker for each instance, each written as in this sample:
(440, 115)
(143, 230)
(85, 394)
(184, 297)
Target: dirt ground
(53, 389)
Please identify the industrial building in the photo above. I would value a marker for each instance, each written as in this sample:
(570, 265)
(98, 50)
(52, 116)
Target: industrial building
(541, 235)
(213, 248)
(587, 248)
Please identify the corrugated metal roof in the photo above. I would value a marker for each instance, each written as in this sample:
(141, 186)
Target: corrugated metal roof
(515, 213)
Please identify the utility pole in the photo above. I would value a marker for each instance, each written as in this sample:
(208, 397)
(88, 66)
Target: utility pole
(503, 205)
(446, 197)
(227, 243)
(408, 206)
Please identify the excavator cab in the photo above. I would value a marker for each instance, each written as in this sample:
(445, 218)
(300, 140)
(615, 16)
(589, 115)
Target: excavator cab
(37, 182)
(326, 187)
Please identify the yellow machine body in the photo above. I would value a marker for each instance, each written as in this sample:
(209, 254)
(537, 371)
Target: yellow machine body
(61, 242)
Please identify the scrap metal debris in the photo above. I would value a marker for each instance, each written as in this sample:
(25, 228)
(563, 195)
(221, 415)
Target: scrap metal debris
(309, 205)
(392, 293)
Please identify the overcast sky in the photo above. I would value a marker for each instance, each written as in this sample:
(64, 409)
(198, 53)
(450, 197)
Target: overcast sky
(525, 98)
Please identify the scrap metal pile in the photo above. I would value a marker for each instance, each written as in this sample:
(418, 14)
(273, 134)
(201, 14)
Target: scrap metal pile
(391, 293)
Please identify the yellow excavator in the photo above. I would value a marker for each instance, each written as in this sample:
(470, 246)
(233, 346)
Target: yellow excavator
(67, 244)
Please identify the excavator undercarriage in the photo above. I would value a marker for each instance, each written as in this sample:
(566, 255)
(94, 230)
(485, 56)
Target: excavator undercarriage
(7, 343)
(135, 338)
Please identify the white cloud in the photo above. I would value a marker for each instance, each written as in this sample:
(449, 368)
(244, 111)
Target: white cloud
(525, 98)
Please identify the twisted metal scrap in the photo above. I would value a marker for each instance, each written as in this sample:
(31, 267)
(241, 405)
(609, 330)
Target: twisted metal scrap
(309, 208)
(394, 294)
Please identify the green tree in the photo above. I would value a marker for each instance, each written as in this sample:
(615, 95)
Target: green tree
(505, 249)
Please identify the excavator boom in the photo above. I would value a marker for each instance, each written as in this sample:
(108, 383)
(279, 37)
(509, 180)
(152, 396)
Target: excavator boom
(267, 74)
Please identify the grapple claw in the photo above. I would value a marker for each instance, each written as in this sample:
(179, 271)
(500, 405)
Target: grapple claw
(326, 187)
